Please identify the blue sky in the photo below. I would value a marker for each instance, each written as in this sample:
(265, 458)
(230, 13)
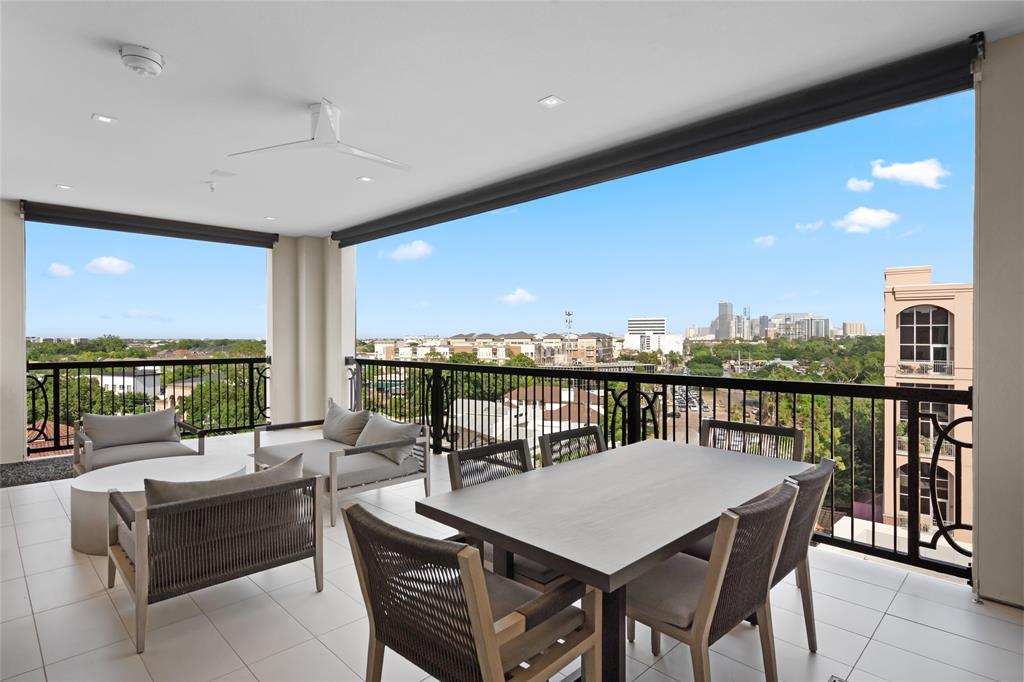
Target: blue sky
(774, 227)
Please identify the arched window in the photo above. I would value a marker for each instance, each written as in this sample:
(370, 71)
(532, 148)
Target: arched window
(925, 335)
(943, 485)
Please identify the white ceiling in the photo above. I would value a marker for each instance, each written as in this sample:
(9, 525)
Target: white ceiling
(448, 88)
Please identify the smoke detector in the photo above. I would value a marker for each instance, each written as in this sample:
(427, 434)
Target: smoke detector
(142, 60)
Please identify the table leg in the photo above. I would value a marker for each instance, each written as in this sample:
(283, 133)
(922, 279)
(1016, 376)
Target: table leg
(613, 635)
(502, 559)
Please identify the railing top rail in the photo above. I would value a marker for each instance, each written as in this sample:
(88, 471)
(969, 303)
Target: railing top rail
(152, 362)
(814, 388)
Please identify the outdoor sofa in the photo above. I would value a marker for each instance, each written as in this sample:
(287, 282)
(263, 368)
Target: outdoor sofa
(102, 440)
(358, 450)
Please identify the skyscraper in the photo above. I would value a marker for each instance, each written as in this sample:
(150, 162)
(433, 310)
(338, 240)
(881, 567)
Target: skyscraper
(726, 325)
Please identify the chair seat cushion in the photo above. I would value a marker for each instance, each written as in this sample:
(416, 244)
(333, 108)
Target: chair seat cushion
(507, 596)
(669, 592)
(167, 492)
(119, 454)
(527, 568)
(353, 470)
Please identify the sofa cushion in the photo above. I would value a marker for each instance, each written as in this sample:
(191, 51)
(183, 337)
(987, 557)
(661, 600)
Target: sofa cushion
(382, 430)
(164, 492)
(132, 453)
(353, 470)
(152, 427)
(343, 425)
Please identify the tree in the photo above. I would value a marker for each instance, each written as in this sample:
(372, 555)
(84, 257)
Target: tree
(520, 360)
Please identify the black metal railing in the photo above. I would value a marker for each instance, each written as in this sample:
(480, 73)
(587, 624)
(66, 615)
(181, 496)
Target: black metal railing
(215, 395)
(858, 425)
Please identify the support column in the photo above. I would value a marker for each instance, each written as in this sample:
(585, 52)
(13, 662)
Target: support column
(999, 324)
(12, 332)
(311, 294)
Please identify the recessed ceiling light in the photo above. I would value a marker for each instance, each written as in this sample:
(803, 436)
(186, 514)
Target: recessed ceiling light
(364, 178)
(64, 187)
(551, 101)
(270, 218)
(103, 118)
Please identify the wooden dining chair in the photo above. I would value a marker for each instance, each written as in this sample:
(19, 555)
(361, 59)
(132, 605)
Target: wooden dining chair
(697, 601)
(431, 602)
(474, 466)
(571, 444)
(781, 442)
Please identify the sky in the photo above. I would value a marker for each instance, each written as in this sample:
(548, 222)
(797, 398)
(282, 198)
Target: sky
(806, 223)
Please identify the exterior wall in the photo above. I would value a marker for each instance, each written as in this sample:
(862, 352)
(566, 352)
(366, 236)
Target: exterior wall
(906, 288)
(12, 333)
(999, 289)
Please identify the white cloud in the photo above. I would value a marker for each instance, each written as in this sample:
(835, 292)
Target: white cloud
(862, 220)
(924, 173)
(765, 241)
(807, 227)
(411, 251)
(59, 270)
(109, 265)
(858, 185)
(518, 296)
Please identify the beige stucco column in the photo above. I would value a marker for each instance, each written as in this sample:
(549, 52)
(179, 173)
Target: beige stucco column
(12, 332)
(999, 324)
(310, 326)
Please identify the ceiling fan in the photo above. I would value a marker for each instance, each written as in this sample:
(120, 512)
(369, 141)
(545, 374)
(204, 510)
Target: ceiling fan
(325, 127)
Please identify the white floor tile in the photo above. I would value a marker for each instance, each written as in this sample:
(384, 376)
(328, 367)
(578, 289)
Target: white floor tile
(8, 537)
(347, 580)
(860, 568)
(36, 511)
(47, 556)
(189, 650)
(42, 530)
(897, 665)
(115, 663)
(336, 533)
(157, 615)
(828, 609)
(640, 649)
(835, 643)
(27, 494)
(63, 586)
(851, 590)
(969, 624)
(951, 649)
(240, 675)
(14, 601)
(958, 596)
(861, 676)
(795, 663)
(275, 632)
(99, 565)
(6, 516)
(10, 562)
(349, 643)
(310, 661)
(335, 556)
(19, 647)
(654, 675)
(77, 628)
(217, 597)
(319, 612)
(678, 665)
(283, 575)
(37, 675)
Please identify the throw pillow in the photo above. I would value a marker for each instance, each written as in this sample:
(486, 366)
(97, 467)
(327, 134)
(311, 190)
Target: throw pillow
(382, 430)
(152, 427)
(343, 425)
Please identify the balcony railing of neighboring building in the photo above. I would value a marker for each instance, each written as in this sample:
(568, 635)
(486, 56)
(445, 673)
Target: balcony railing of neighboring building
(215, 395)
(936, 368)
(468, 405)
(947, 450)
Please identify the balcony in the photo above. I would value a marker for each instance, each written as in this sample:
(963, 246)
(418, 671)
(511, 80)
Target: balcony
(934, 369)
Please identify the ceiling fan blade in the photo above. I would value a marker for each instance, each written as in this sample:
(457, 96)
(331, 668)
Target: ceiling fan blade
(369, 156)
(300, 144)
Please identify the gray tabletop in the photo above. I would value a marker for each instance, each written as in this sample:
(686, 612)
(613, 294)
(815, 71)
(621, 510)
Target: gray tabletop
(607, 518)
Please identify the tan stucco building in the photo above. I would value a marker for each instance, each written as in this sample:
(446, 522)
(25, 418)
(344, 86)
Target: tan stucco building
(929, 341)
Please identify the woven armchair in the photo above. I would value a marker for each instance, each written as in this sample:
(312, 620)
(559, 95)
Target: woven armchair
(756, 439)
(697, 602)
(572, 444)
(474, 466)
(432, 602)
(170, 549)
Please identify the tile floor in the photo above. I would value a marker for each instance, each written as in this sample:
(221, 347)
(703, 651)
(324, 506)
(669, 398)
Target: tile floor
(875, 621)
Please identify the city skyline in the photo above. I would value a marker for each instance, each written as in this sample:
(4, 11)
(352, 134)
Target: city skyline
(807, 223)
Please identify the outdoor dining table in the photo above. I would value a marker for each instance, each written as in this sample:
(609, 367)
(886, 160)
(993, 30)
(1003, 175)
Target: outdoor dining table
(610, 517)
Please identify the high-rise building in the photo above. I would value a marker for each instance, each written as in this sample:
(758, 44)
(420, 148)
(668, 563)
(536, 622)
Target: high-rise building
(762, 330)
(929, 342)
(725, 325)
(651, 334)
(854, 329)
(647, 325)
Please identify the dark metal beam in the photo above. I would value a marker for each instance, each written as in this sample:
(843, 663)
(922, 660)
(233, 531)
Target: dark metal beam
(932, 74)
